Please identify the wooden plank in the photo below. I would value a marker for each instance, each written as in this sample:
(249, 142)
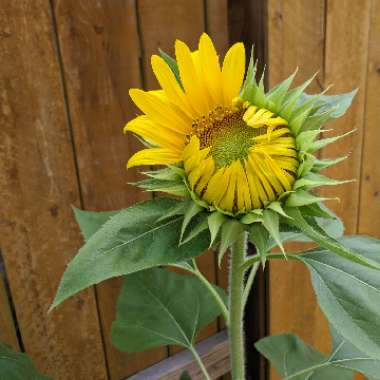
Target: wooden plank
(161, 23)
(369, 205)
(295, 38)
(101, 53)
(369, 212)
(38, 184)
(8, 332)
(213, 351)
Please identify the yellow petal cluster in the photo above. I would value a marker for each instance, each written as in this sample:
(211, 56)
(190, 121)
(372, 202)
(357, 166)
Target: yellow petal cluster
(236, 156)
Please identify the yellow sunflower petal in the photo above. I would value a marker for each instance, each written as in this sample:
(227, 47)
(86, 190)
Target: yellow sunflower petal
(217, 186)
(170, 85)
(149, 131)
(154, 156)
(153, 104)
(189, 77)
(228, 201)
(212, 74)
(242, 190)
(233, 72)
(208, 171)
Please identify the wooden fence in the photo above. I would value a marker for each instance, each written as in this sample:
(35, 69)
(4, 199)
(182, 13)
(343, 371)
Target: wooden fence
(66, 67)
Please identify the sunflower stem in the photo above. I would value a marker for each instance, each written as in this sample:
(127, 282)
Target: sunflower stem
(236, 329)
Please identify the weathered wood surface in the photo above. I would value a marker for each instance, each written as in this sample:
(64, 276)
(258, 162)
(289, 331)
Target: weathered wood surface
(213, 351)
(8, 333)
(38, 185)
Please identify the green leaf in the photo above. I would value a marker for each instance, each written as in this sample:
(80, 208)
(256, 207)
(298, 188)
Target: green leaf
(131, 241)
(231, 230)
(296, 360)
(171, 62)
(17, 365)
(157, 307)
(349, 294)
(351, 357)
(271, 221)
(90, 221)
(185, 376)
(311, 229)
(215, 222)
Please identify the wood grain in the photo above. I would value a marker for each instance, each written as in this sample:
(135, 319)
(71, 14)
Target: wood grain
(38, 184)
(8, 332)
(295, 39)
(100, 54)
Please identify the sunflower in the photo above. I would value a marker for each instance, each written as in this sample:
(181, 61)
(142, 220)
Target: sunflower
(237, 156)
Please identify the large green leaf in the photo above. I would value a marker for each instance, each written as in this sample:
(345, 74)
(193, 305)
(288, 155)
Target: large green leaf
(296, 360)
(17, 366)
(348, 293)
(157, 307)
(351, 357)
(130, 241)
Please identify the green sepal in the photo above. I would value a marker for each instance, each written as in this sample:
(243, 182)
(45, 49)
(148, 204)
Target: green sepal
(319, 144)
(337, 105)
(172, 63)
(230, 232)
(176, 187)
(191, 211)
(292, 98)
(250, 79)
(313, 180)
(311, 229)
(277, 207)
(253, 216)
(318, 210)
(278, 93)
(178, 209)
(271, 221)
(200, 226)
(327, 162)
(259, 236)
(305, 139)
(215, 222)
(302, 198)
(307, 162)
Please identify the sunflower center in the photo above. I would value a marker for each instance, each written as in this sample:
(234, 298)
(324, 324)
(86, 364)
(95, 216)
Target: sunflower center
(226, 133)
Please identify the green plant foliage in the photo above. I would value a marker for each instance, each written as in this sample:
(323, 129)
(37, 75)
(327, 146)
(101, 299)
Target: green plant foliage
(185, 376)
(351, 357)
(157, 307)
(348, 293)
(130, 241)
(17, 365)
(296, 360)
(311, 229)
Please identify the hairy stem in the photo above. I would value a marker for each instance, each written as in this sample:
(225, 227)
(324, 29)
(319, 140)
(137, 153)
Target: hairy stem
(236, 330)
(200, 363)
